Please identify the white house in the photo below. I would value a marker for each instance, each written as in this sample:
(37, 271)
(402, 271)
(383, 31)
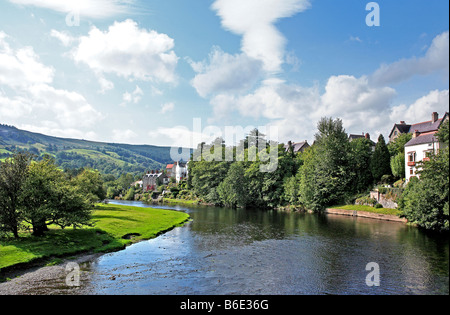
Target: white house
(423, 144)
(181, 171)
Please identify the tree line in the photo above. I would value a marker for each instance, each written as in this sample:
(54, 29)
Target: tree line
(332, 171)
(36, 194)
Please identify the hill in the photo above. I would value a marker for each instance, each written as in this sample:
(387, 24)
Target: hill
(108, 158)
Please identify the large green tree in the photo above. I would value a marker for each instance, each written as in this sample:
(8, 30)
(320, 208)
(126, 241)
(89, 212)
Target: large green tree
(381, 160)
(325, 178)
(233, 190)
(360, 157)
(13, 174)
(49, 197)
(426, 200)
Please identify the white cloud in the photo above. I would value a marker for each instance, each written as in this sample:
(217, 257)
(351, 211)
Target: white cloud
(89, 8)
(225, 73)
(105, 85)
(255, 21)
(129, 52)
(436, 59)
(64, 37)
(30, 96)
(124, 136)
(21, 68)
(167, 107)
(421, 109)
(134, 97)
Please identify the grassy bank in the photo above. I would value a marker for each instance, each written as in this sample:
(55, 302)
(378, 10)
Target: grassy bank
(115, 226)
(368, 209)
(180, 201)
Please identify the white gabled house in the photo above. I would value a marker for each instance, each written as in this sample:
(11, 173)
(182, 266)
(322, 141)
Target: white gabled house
(423, 144)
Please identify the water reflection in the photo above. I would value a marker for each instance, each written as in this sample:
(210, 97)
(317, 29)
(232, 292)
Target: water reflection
(236, 251)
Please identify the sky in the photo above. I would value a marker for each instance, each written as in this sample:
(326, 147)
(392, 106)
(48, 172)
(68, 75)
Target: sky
(177, 72)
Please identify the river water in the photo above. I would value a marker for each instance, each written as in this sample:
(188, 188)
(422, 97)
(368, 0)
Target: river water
(249, 252)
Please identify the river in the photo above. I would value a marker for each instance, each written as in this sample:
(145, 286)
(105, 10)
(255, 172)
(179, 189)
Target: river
(249, 252)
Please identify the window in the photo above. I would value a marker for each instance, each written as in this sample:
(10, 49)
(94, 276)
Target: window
(411, 158)
(411, 171)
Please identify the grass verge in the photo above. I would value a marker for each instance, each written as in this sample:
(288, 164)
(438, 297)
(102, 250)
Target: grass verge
(115, 226)
(368, 209)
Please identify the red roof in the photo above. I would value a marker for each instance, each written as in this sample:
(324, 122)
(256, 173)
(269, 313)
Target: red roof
(170, 165)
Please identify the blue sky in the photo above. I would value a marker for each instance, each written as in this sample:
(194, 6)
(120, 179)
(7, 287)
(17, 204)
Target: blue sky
(140, 71)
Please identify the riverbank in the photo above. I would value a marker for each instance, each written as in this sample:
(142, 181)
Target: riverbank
(114, 227)
(367, 212)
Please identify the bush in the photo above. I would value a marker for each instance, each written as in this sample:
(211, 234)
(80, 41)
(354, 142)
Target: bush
(366, 201)
(155, 194)
(378, 206)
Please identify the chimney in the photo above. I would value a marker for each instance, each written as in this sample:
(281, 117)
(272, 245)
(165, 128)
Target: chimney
(402, 123)
(367, 136)
(434, 117)
(416, 133)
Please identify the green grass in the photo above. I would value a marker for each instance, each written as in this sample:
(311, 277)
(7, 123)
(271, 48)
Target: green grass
(368, 209)
(111, 223)
(180, 201)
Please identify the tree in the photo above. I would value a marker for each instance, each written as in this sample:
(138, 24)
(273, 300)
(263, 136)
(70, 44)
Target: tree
(49, 197)
(398, 165)
(13, 174)
(426, 200)
(233, 190)
(360, 157)
(90, 183)
(381, 160)
(443, 133)
(326, 173)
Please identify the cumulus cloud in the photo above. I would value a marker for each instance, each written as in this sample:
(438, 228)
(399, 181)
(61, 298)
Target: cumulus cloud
(89, 8)
(124, 136)
(21, 68)
(225, 73)
(255, 21)
(167, 107)
(64, 37)
(134, 97)
(435, 59)
(421, 109)
(129, 52)
(30, 95)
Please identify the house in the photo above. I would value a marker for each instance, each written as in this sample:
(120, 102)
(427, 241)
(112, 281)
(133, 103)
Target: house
(153, 179)
(352, 137)
(422, 127)
(177, 170)
(423, 144)
(297, 146)
(139, 182)
(181, 171)
(170, 170)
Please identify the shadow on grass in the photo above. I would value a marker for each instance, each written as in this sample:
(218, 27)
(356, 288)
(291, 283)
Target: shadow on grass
(29, 250)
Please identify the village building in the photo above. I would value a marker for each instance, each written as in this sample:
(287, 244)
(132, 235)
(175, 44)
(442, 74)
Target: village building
(177, 170)
(422, 127)
(153, 179)
(352, 137)
(423, 144)
(297, 146)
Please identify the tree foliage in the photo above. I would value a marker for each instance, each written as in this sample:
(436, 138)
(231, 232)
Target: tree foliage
(381, 161)
(40, 194)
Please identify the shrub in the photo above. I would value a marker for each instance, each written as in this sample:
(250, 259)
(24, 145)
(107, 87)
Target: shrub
(378, 206)
(366, 201)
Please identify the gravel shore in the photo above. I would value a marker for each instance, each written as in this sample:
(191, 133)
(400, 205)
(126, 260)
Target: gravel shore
(49, 280)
